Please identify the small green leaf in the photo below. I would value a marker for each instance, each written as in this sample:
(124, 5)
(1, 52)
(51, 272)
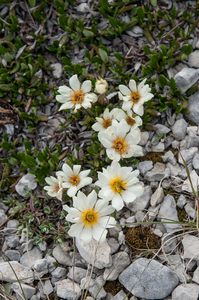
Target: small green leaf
(30, 160)
(154, 2)
(103, 55)
(140, 14)
(6, 145)
(172, 83)
(146, 49)
(32, 3)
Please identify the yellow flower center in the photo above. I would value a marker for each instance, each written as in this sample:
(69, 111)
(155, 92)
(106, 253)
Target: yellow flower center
(107, 123)
(120, 145)
(89, 217)
(77, 97)
(135, 97)
(130, 121)
(57, 187)
(74, 179)
(117, 185)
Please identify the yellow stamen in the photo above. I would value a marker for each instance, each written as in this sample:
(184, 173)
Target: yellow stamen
(117, 185)
(130, 121)
(89, 217)
(120, 145)
(107, 123)
(135, 97)
(57, 187)
(74, 179)
(77, 97)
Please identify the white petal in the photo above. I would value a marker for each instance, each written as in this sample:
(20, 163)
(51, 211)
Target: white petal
(124, 90)
(76, 169)
(117, 202)
(74, 83)
(66, 105)
(132, 85)
(138, 110)
(92, 198)
(141, 85)
(127, 105)
(63, 99)
(72, 191)
(86, 86)
(86, 235)
(84, 181)
(113, 155)
(75, 229)
(84, 173)
(67, 170)
(99, 233)
(128, 196)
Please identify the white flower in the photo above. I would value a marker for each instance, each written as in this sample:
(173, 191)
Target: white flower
(135, 96)
(132, 121)
(76, 96)
(106, 120)
(90, 217)
(119, 184)
(55, 188)
(101, 86)
(119, 143)
(74, 180)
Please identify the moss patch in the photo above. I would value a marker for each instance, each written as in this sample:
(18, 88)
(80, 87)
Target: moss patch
(181, 214)
(141, 238)
(153, 156)
(113, 287)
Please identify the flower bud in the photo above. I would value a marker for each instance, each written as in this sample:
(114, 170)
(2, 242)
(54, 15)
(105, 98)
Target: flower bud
(101, 86)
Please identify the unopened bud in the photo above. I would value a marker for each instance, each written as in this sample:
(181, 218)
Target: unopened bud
(101, 86)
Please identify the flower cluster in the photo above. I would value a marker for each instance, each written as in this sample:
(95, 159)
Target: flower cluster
(118, 131)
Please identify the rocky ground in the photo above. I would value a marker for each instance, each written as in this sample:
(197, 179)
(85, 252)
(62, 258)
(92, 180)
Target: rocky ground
(153, 252)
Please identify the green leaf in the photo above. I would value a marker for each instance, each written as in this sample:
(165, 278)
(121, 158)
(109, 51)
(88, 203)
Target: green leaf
(8, 57)
(163, 80)
(66, 60)
(3, 50)
(187, 49)
(113, 22)
(173, 13)
(154, 2)
(14, 19)
(103, 55)
(7, 87)
(140, 14)
(27, 145)
(118, 56)
(6, 145)
(88, 33)
(32, 3)
(172, 84)
(105, 5)
(146, 49)
(30, 160)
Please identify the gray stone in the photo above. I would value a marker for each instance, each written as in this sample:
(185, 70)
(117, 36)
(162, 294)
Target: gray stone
(3, 216)
(121, 260)
(145, 166)
(139, 216)
(175, 144)
(57, 72)
(195, 181)
(186, 78)
(194, 59)
(169, 157)
(191, 246)
(193, 107)
(186, 292)
(12, 240)
(113, 244)
(144, 138)
(51, 262)
(42, 246)
(160, 129)
(168, 211)
(60, 272)
(183, 173)
(41, 267)
(181, 201)
(94, 286)
(62, 257)
(28, 245)
(157, 197)
(129, 222)
(48, 289)
(158, 148)
(195, 162)
(141, 202)
(183, 144)
(192, 140)
(13, 255)
(174, 169)
(34, 255)
(3, 207)
(119, 296)
(193, 128)
(179, 129)
(26, 182)
(169, 243)
(76, 273)
(190, 210)
(157, 173)
(83, 8)
(196, 275)
(29, 291)
(114, 231)
(13, 224)
(149, 279)
(179, 267)
(187, 155)
(102, 257)
(23, 273)
(152, 212)
(66, 289)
